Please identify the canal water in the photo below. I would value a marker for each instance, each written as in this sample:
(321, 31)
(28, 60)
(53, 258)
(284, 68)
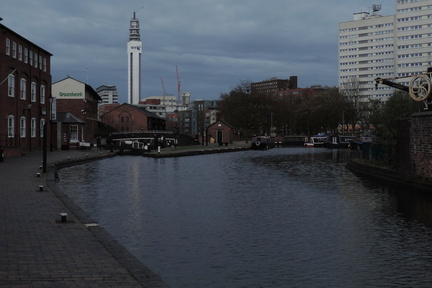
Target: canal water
(285, 217)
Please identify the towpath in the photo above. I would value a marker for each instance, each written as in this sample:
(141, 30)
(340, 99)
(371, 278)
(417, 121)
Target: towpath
(39, 250)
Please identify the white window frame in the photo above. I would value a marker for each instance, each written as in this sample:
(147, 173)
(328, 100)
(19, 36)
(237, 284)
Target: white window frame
(20, 51)
(11, 85)
(23, 131)
(8, 47)
(25, 55)
(11, 126)
(14, 49)
(74, 133)
(23, 88)
(33, 127)
(42, 94)
(33, 92)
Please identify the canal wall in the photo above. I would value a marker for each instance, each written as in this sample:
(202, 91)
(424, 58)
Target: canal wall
(413, 155)
(420, 148)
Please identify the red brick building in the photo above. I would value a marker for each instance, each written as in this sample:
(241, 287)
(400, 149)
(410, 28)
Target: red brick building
(220, 132)
(81, 102)
(132, 118)
(25, 88)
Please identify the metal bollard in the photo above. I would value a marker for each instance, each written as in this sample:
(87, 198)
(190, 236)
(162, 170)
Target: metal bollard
(41, 188)
(63, 217)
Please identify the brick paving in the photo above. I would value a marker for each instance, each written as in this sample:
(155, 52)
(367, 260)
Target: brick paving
(38, 250)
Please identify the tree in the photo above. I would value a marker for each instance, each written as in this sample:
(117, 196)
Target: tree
(309, 112)
(384, 117)
(241, 109)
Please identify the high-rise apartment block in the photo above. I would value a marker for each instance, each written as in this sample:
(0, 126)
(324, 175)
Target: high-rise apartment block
(108, 93)
(396, 46)
(134, 48)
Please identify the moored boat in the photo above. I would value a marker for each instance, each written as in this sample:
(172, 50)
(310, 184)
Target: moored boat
(319, 140)
(261, 142)
(339, 141)
(358, 141)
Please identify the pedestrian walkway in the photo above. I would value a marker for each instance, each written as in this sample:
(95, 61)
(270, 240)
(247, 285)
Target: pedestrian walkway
(37, 249)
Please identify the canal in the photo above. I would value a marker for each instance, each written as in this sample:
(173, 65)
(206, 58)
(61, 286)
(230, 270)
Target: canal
(285, 217)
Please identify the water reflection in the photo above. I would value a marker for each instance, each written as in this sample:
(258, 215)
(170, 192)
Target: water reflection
(289, 217)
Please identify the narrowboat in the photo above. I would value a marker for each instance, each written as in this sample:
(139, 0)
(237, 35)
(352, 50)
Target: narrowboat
(319, 140)
(339, 141)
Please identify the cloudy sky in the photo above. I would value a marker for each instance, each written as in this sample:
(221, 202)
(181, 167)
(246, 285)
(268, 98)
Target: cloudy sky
(216, 44)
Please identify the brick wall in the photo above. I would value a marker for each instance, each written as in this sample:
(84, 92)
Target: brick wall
(403, 158)
(421, 144)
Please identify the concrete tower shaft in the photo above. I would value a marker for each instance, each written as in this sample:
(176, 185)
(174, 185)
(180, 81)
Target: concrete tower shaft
(134, 50)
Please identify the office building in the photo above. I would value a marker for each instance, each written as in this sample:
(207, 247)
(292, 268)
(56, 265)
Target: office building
(108, 93)
(273, 85)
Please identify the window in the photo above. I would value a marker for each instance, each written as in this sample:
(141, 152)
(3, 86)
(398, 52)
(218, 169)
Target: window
(44, 64)
(25, 55)
(23, 127)
(40, 62)
(74, 133)
(20, 51)
(11, 126)
(42, 94)
(33, 92)
(23, 88)
(11, 85)
(14, 49)
(31, 57)
(7, 46)
(35, 60)
(33, 127)
(42, 125)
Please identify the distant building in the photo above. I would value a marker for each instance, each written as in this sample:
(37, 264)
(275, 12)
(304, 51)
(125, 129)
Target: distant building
(203, 114)
(134, 50)
(132, 118)
(25, 89)
(303, 92)
(273, 85)
(80, 100)
(166, 103)
(185, 96)
(108, 94)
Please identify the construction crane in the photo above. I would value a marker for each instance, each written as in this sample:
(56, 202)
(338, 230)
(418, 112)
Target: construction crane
(163, 86)
(178, 86)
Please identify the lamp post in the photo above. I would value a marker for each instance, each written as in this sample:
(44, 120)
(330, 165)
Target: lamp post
(51, 100)
(271, 123)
